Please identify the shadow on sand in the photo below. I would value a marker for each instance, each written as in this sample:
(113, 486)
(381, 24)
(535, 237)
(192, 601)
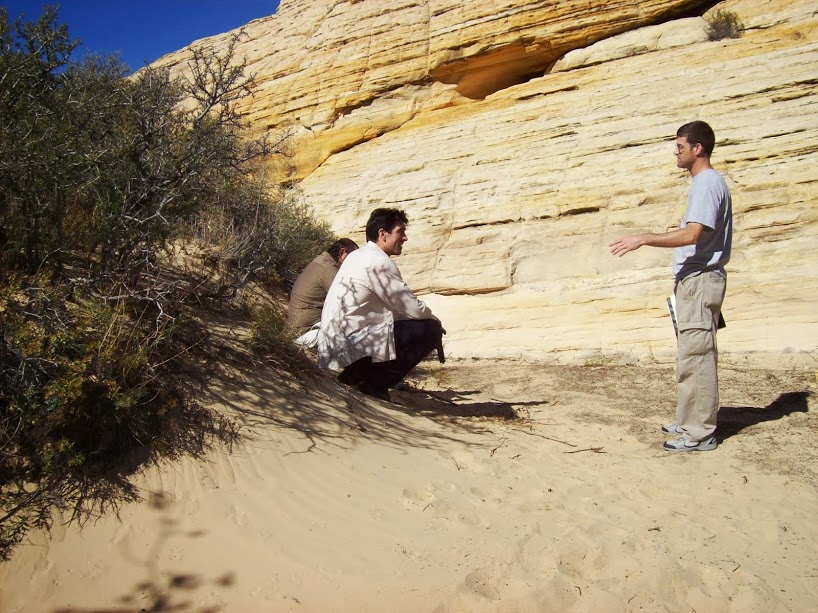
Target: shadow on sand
(733, 420)
(325, 412)
(448, 404)
(311, 402)
(160, 590)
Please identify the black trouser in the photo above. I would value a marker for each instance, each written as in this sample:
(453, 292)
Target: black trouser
(414, 340)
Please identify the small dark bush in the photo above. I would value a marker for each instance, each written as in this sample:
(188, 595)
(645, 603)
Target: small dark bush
(724, 24)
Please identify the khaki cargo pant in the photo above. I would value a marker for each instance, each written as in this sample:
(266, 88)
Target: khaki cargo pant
(698, 304)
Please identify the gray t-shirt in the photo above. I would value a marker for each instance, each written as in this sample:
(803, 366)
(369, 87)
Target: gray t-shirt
(708, 203)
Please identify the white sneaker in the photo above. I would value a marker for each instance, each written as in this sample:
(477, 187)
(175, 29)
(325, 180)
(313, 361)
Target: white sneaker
(672, 429)
(682, 444)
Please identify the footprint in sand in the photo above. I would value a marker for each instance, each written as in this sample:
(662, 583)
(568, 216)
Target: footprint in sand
(413, 499)
(467, 461)
(487, 581)
(444, 501)
(238, 517)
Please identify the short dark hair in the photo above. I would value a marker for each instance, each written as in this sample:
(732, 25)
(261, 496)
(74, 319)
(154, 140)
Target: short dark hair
(698, 133)
(385, 219)
(342, 243)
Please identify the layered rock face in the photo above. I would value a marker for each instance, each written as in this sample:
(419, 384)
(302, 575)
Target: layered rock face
(521, 137)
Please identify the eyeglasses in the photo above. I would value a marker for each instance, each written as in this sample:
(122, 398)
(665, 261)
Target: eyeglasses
(681, 149)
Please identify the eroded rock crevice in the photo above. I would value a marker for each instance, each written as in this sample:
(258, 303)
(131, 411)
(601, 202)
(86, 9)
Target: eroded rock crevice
(497, 69)
(481, 74)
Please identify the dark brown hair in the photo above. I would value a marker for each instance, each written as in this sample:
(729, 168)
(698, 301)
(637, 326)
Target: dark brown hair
(386, 219)
(698, 133)
(342, 243)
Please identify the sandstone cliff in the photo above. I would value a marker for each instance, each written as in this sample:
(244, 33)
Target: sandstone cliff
(522, 136)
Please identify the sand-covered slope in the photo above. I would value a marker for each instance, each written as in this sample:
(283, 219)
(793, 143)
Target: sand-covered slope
(490, 487)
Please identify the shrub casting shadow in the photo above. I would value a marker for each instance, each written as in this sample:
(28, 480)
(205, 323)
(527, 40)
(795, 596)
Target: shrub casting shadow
(323, 411)
(260, 396)
(102, 485)
(161, 591)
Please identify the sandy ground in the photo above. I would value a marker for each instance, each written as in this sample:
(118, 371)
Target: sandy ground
(487, 486)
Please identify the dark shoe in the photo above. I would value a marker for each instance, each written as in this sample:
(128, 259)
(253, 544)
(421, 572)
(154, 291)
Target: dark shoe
(346, 378)
(375, 392)
(682, 444)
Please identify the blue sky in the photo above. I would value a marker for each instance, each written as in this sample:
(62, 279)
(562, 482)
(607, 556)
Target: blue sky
(144, 30)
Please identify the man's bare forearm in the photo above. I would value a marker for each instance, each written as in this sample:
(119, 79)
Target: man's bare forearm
(680, 237)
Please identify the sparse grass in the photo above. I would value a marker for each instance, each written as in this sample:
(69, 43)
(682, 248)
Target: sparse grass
(272, 341)
(723, 23)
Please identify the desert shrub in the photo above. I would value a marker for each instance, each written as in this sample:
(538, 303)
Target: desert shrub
(111, 168)
(271, 340)
(299, 236)
(100, 176)
(723, 23)
(86, 390)
(259, 232)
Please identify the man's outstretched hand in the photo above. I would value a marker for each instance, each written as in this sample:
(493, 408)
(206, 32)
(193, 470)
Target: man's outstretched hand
(624, 244)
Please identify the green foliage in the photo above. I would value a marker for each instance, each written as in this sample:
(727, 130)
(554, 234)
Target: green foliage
(111, 168)
(299, 237)
(267, 234)
(33, 130)
(85, 390)
(100, 176)
(724, 24)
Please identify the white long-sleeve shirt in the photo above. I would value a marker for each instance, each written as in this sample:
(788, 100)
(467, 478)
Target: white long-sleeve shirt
(363, 302)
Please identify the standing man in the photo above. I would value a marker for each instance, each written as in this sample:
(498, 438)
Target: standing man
(310, 289)
(372, 325)
(701, 249)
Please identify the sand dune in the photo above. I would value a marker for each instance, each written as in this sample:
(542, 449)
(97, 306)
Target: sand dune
(487, 486)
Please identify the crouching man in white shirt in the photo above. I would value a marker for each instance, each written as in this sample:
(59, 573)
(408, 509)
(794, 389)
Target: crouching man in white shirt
(372, 325)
